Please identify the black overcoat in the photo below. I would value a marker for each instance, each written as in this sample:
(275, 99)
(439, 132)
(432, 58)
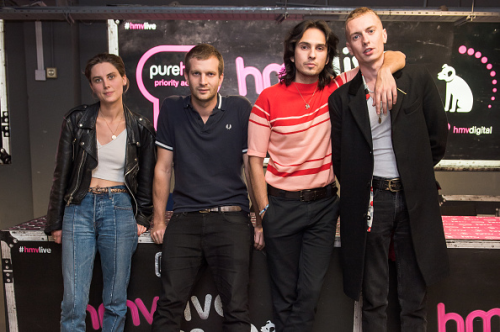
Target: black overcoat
(419, 133)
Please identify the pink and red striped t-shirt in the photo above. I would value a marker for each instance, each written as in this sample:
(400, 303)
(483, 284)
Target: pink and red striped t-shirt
(298, 139)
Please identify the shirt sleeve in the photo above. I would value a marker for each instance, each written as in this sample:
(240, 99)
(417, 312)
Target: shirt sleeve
(245, 110)
(165, 133)
(259, 127)
(349, 75)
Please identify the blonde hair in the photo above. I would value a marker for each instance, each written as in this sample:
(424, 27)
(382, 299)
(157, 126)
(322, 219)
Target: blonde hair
(357, 13)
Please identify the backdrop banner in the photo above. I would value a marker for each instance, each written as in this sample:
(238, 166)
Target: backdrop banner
(464, 62)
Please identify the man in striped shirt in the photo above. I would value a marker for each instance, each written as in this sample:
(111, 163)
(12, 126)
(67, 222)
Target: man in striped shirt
(299, 204)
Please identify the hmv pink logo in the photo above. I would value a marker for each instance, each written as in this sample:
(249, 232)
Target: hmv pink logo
(39, 250)
(262, 80)
(96, 315)
(465, 325)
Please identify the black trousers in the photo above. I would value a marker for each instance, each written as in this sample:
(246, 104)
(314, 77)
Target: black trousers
(221, 240)
(391, 219)
(299, 242)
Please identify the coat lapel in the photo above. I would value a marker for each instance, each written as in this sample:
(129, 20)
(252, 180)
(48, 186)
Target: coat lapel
(402, 90)
(358, 108)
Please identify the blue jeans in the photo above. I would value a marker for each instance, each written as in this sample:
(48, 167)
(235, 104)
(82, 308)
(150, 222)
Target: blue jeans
(391, 220)
(101, 223)
(223, 242)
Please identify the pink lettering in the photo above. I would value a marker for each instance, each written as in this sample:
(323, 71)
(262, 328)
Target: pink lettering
(134, 313)
(460, 130)
(96, 316)
(100, 311)
(39, 250)
(262, 81)
(140, 67)
(145, 312)
(445, 317)
(136, 26)
(93, 317)
(181, 65)
(468, 326)
(242, 72)
(266, 73)
(485, 316)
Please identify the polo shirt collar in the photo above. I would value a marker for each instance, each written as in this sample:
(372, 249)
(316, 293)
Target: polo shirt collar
(218, 106)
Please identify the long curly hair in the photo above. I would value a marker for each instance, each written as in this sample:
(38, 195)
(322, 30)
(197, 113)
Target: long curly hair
(287, 75)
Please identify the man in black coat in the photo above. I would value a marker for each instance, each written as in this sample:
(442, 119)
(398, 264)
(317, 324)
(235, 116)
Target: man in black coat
(388, 190)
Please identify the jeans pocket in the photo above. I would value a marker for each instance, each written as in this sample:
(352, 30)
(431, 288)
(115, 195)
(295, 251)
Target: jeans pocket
(122, 201)
(178, 216)
(239, 225)
(124, 214)
(240, 217)
(378, 197)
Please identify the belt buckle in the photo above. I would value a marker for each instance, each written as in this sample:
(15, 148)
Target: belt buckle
(204, 211)
(98, 190)
(311, 195)
(389, 186)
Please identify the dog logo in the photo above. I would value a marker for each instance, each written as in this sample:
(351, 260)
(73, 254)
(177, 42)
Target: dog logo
(458, 93)
(269, 327)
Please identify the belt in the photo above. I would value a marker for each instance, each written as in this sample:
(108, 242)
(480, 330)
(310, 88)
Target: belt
(230, 208)
(105, 190)
(393, 185)
(306, 195)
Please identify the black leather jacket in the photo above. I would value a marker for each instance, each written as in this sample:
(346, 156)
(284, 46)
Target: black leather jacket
(77, 157)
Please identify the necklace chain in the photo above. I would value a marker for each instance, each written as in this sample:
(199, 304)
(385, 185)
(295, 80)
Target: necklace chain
(308, 104)
(113, 136)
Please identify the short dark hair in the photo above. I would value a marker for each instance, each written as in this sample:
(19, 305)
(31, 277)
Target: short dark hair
(113, 59)
(294, 36)
(357, 13)
(203, 52)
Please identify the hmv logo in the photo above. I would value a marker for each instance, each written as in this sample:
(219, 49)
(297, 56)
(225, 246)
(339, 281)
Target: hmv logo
(39, 250)
(465, 324)
(263, 80)
(137, 308)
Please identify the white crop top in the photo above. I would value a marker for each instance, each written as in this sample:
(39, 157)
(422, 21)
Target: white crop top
(111, 159)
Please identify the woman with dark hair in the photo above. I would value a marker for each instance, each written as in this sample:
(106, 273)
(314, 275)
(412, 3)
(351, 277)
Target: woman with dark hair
(101, 197)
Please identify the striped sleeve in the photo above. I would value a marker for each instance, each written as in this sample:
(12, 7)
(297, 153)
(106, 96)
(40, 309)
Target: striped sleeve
(348, 75)
(259, 128)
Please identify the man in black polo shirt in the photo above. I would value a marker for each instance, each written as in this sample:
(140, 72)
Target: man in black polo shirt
(205, 136)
